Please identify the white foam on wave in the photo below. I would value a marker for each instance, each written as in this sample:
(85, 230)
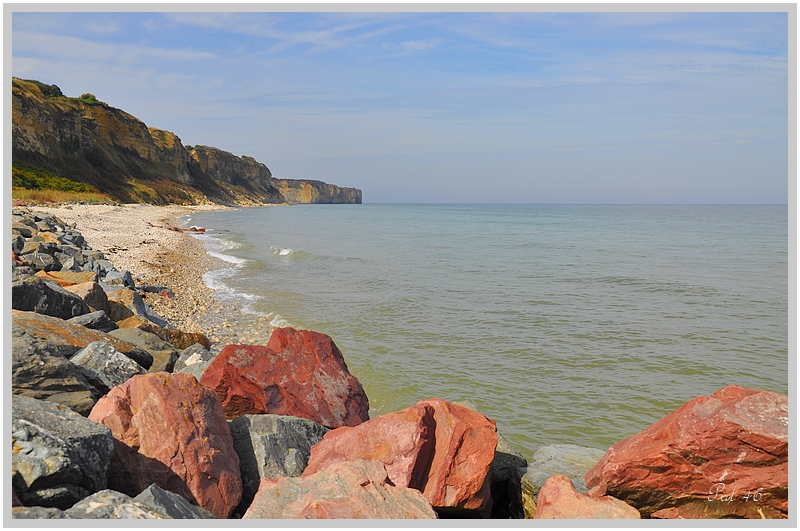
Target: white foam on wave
(282, 252)
(228, 258)
(278, 321)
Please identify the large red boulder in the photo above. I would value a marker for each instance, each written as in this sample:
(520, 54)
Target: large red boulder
(171, 431)
(559, 499)
(352, 489)
(299, 373)
(718, 456)
(402, 441)
(442, 449)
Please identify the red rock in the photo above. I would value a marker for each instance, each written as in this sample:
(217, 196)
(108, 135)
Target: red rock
(559, 499)
(402, 441)
(299, 373)
(442, 449)
(706, 459)
(352, 489)
(170, 430)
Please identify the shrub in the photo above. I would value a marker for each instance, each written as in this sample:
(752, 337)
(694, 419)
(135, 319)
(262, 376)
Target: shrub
(35, 178)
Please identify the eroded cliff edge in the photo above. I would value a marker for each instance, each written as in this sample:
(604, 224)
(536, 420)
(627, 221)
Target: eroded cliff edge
(88, 141)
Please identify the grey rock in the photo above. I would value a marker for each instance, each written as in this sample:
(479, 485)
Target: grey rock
(47, 298)
(548, 460)
(122, 278)
(73, 251)
(104, 366)
(58, 457)
(105, 265)
(41, 261)
(17, 243)
(23, 228)
(38, 245)
(95, 320)
(164, 356)
(271, 446)
(73, 238)
(196, 355)
(108, 504)
(37, 513)
(154, 289)
(70, 264)
(171, 504)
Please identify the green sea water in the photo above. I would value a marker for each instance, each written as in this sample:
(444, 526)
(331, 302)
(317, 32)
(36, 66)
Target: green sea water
(578, 324)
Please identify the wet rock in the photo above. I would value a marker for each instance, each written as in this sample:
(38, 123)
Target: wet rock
(47, 298)
(299, 373)
(558, 499)
(352, 489)
(271, 446)
(164, 356)
(171, 431)
(104, 366)
(549, 460)
(96, 321)
(693, 461)
(170, 504)
(42, 332)
(57, 456)
(109, 504)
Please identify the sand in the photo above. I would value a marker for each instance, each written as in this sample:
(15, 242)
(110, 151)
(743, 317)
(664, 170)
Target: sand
(138, 238)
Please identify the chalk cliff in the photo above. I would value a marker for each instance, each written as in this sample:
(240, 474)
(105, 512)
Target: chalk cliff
(88, 141)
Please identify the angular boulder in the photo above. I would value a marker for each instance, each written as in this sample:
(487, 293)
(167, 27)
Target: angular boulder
(104, 366)
(67, 278)
(170, 430)
(96, 321)
(558, 499)
(109, 504)
(59, 336)
(48, 298)
(170, 504)
(164, 356)
(507, 467)
(718, 456)
(271, 446)
(125, 303)
(442, 449)
(92, 294)
(177, 338)
(299, 373)
(57, 456)
(352, 489)
(194, 360)
(553, 459)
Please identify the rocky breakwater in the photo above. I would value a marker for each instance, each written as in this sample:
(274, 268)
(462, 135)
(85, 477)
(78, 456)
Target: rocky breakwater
(117, 414)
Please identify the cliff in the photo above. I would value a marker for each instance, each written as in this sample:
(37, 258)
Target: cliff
(88, 141)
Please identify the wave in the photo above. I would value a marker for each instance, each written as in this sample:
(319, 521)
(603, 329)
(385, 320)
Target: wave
(278, 321)
(284, 252)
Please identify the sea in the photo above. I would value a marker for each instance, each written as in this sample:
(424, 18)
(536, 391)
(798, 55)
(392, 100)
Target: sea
(566, 324)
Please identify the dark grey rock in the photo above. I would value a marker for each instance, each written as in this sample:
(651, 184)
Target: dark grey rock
(36, 513)
(48, 298)
(72, 251)
(58, 457)
(41, 261)
(69, 264)
(122, 278)
(271, 446)
(110, 504)
(506, 476)
(17, 243)
(164, 356)
(24, 229)
(73, 238)
(154, 289)
(171, 504)
(104, 366)
(95, 320)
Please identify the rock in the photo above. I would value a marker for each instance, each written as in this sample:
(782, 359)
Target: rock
(37, 513)
(96, 321)
(92, 294)
(124, 303)
(299, 373)
(271, 446)
(104, 366)
(196, 355)
(68, 263)
(120, 278)
(41, 261)
(164, 356)
(170, 430)
(38, 246)
(507, 467)
(108, 504)
(177, 338)
(704, 459)
(17, 243)
(24, 230)
(46, 298)
(443, 449)
(170, 504)
(61, 337)
(352, 489)
(67, 278)
(403, 441)
(558, 499)
(57, 456)
(549, 460)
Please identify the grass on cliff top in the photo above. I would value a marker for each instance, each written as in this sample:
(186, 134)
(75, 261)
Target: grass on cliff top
(38, 185)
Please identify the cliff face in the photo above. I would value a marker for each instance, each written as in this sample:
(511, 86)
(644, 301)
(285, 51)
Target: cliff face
(88, 141)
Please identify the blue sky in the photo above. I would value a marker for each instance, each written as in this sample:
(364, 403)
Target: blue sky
(451, 107)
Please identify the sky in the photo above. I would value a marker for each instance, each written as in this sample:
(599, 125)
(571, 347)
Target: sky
(450, 107)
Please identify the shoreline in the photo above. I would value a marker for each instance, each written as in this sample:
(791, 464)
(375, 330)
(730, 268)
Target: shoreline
(137, 238)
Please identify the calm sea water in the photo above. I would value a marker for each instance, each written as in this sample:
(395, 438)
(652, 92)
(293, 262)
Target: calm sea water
(564, 323)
